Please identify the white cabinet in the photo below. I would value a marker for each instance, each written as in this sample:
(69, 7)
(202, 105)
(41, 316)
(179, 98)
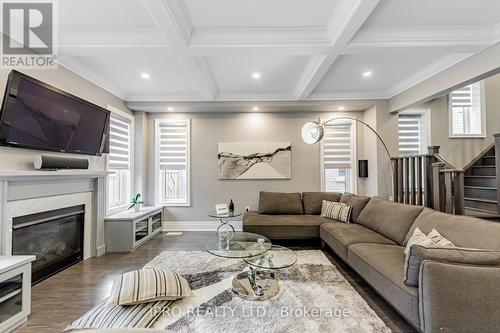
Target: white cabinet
(15, 291)
(127, 230)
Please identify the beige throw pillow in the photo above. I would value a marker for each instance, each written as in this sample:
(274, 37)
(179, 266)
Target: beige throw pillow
(438, 239)
(336, 211)
(148, 285)
(418, 238)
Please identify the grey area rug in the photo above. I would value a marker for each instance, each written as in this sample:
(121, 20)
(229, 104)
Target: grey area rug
(314, 297)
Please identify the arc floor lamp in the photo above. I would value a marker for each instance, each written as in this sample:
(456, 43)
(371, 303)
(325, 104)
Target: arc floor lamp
(313, 131)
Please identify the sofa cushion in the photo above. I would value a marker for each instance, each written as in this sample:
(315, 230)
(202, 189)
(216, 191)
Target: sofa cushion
(280, 203)
(313, 201)
(283, 226)
(457, 255)
(391, 219)
(382, 267)
(340, 235)
(463, 231)
(357, 202)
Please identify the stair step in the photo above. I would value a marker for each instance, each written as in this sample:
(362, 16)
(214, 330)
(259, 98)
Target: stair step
(488, 160)
(481, 213)
(483, 170)
(481, 192)
(488, 181)
(483, 204)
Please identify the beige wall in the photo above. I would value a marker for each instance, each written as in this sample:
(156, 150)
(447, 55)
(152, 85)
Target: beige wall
(209, 129)
(460, 151)
(22, 159)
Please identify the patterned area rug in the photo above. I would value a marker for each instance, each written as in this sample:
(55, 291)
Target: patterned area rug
(313, 297)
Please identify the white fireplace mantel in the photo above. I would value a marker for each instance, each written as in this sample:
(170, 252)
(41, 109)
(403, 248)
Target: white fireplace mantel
(22, 185)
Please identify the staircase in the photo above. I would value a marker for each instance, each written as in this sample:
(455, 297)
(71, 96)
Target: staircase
(480, 187)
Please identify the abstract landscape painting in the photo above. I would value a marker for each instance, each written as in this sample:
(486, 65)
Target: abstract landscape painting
(255, 160)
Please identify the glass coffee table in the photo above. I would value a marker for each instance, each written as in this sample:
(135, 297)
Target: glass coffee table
(259, 281)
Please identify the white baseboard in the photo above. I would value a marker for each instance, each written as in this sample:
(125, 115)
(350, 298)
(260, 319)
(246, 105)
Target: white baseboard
(101, 250)
(196, 225)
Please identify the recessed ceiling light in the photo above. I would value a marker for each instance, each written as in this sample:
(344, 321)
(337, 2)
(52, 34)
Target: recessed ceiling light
(170, 108)
(256, 75)
(255, 108)
(145, 76)
(367, 73)
(341, 108)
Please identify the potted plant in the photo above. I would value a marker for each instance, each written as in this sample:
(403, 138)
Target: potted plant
(136, 202)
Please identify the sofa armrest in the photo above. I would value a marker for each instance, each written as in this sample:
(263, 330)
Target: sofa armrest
(460, 297)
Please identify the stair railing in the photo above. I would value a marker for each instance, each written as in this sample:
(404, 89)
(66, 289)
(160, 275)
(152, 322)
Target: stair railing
(413, 178)
(429, 180)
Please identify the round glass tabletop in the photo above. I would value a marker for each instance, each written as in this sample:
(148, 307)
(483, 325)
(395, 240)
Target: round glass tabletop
(277, 257)
(214, 214)
(241, 245)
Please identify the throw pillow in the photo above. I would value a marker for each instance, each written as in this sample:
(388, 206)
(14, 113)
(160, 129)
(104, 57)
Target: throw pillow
(148, 285)
(438, 239)
(458, 255)
(418, 238)
(121, 317)
(336, 211)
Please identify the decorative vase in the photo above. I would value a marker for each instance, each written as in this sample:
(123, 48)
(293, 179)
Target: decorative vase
(137, 207)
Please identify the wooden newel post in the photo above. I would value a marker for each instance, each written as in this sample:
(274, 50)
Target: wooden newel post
(438, 186)
(459, 193)
(429, 159)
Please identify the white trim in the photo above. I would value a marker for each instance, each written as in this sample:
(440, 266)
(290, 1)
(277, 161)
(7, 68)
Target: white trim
(197, 225)
(127, 117)
(482, 97)
(353, 152)
(101, 250)
(157, 162)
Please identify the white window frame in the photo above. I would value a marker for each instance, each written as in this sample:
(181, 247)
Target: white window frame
(157, 188)
(482, 135)
(425, 127)
(125, 116)
(354, 164)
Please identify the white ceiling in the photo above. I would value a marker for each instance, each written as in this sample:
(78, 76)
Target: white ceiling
(206, 51)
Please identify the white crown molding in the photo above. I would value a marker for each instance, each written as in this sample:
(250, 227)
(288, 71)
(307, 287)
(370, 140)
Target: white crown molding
(165, 96)
(346, 96)
(454, 39)
(434, 68)
(74, 66)
(255, 97)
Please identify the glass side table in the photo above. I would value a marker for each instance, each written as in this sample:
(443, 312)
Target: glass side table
(225, 229)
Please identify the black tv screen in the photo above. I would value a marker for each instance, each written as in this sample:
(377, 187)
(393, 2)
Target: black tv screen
(36, 115)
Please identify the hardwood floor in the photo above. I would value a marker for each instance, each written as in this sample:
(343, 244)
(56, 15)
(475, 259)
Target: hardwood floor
(67, 295)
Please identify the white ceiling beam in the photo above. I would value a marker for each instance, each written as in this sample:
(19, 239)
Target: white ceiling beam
(344, 23)
(172, 19)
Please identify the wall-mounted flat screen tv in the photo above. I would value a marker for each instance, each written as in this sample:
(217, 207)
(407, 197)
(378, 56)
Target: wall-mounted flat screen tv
(36, 115)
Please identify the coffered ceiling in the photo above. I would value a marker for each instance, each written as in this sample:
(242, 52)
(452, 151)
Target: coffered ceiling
(152, 51)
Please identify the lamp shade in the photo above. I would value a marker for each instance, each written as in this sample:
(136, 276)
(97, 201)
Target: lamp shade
(312, 132)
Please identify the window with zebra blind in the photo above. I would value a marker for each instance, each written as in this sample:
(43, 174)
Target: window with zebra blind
(119, 161)
(172, 162)
(466, 111)
(410, 134)
(337, 157)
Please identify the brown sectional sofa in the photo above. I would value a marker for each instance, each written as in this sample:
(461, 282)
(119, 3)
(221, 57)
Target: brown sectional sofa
(459, 296)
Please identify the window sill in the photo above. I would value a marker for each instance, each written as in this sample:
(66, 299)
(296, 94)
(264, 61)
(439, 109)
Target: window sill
(467, 136)
(117, 209)
(172, 204)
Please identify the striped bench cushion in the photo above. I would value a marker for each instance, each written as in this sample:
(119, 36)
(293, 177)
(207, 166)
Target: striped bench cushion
(120, 316)
(147, 285)
(336, 211)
